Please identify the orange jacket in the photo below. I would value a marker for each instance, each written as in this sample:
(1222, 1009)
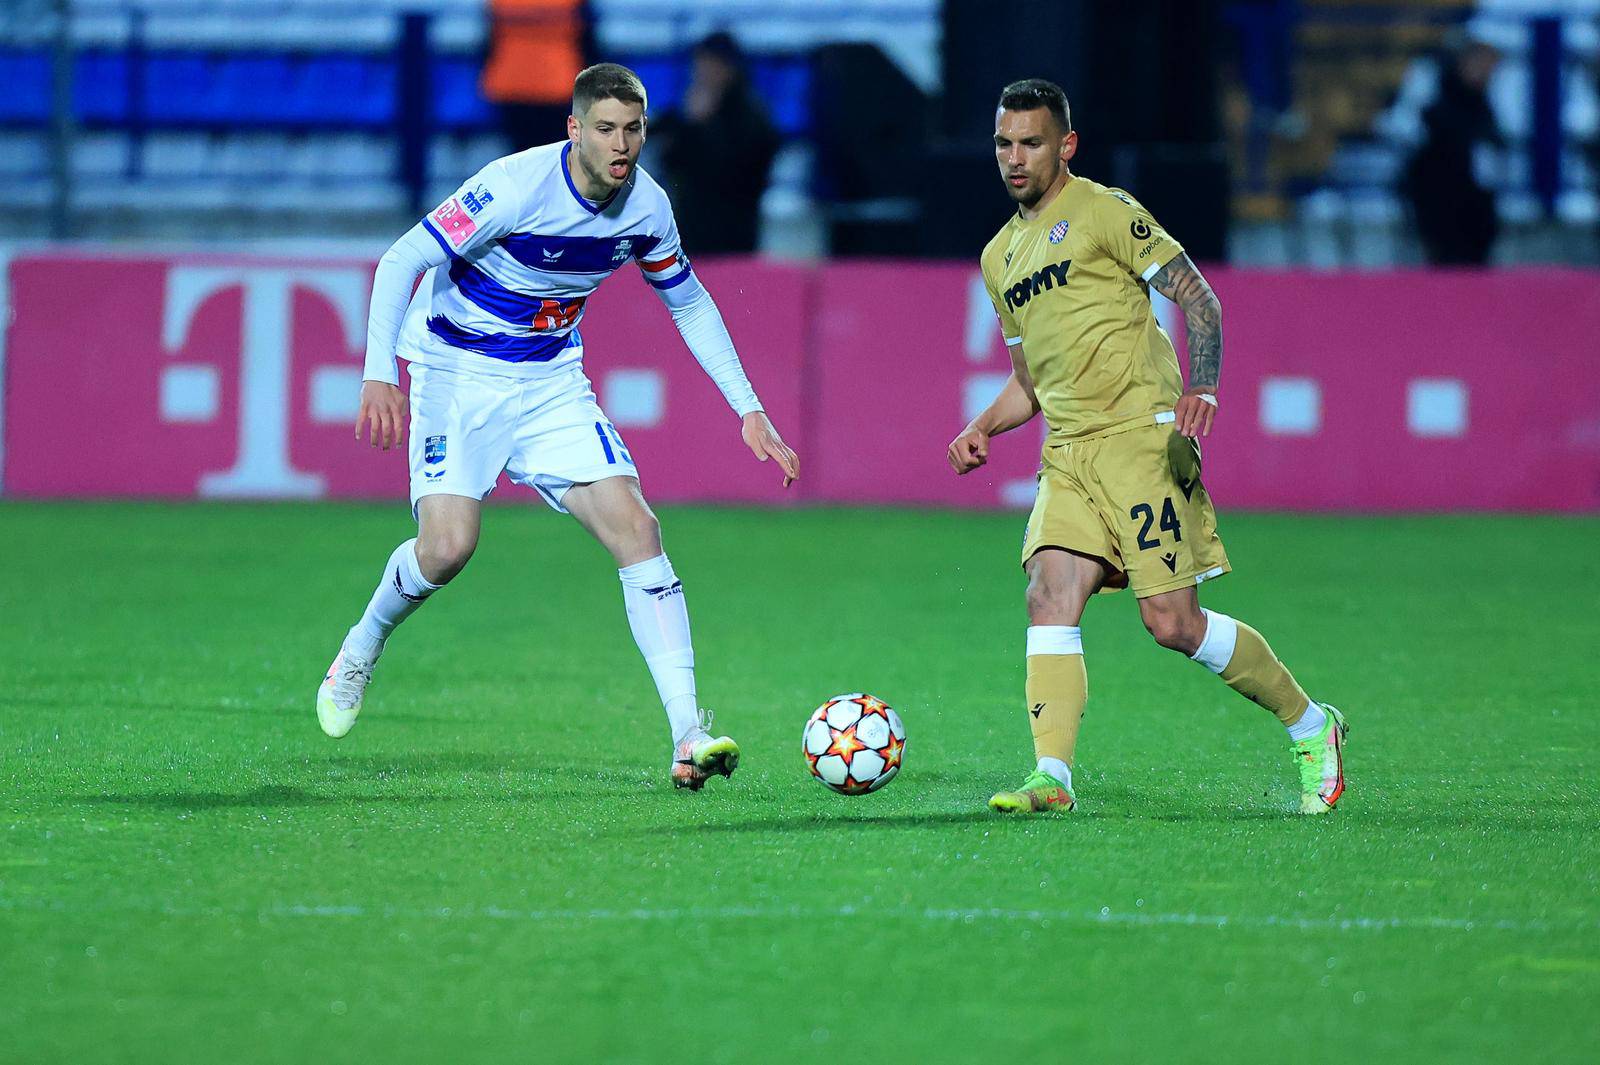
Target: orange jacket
(535, 51)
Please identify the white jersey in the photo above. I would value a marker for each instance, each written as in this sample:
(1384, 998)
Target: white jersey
(526, 250)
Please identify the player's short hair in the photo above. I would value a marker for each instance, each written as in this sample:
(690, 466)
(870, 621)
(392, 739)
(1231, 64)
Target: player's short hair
(1030, 94)
(606, 81)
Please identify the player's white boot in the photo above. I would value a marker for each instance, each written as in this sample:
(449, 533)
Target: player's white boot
(339, 697)
(699, 756)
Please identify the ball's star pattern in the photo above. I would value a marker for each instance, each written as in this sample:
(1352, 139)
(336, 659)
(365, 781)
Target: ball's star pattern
(845, 744)
(892, 752)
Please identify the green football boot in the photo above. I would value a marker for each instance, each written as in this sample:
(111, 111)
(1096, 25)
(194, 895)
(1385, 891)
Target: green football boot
(1320, 760)
(700, 756)
(1040, 792)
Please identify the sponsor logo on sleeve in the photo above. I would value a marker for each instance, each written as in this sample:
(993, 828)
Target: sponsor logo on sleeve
(1140, 229)
(477, 199)
(452, 220)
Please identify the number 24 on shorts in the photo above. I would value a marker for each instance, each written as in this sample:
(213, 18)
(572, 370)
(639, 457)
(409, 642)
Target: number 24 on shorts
(1169, 523)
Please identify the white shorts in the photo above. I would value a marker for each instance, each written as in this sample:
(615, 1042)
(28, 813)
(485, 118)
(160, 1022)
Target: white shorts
(548, 434)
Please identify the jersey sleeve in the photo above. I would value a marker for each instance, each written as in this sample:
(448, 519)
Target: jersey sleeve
(662, 260)
(1009, 329)
(482, 210)
(1131, 236)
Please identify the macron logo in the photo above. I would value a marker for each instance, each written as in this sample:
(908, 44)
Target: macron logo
(552, 256)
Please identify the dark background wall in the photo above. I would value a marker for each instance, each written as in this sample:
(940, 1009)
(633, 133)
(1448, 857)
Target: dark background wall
(1142, 81)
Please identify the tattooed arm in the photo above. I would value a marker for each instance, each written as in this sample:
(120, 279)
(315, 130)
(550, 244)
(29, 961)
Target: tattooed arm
(1183, 284)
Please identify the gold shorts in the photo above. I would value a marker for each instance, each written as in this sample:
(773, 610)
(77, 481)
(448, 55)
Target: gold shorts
(1133, 498)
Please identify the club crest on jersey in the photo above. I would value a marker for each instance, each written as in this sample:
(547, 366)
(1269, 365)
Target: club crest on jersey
(1058, 232)
(433, 450)
(477, 200)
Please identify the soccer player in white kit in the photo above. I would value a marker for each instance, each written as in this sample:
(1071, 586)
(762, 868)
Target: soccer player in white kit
(497, 383)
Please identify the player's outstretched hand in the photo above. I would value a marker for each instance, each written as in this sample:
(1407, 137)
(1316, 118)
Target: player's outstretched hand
(764, 441)
(969, 450)
(383, 408)
(1194, 410)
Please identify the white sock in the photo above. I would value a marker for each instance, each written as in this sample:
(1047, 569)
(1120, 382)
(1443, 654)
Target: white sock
(1054, 640)
(1217, 645)
(401, 590)
(1058, 769)
(659, 618)
(1309, 724)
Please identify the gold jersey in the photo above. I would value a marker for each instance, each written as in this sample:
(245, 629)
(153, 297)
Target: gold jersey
(1072, 287)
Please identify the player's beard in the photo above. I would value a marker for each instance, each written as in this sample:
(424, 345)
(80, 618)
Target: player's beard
(1030, 194)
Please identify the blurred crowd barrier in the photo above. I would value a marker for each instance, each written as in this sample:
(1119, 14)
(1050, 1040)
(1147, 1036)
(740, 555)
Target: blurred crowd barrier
(237, 377)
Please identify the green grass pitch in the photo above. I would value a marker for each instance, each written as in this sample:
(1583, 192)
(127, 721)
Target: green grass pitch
(491, 867)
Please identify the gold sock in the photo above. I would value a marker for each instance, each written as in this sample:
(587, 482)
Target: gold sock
(1257, 674)
(1058, 688)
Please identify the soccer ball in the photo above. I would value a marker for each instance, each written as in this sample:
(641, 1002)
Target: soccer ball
(854, 743)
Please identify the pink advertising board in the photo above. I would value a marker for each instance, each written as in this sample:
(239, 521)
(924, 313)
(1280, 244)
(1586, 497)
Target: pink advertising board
(193, 376)
(238, 378)
(1397, 391)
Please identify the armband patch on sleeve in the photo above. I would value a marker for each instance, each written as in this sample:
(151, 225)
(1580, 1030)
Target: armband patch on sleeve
(451, 219)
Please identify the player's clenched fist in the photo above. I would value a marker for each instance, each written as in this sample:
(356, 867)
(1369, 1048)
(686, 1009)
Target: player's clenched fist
(383, 409)
(969, 450)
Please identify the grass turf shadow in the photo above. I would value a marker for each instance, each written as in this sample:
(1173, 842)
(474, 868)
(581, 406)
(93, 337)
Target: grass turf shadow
(431, 763)
(277, 796)
(800, 823)
(270, 796)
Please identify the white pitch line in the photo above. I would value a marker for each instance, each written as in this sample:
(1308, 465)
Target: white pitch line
(1103, 916)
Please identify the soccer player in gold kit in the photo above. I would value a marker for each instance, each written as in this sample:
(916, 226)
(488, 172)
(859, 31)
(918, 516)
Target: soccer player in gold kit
(1120, 501)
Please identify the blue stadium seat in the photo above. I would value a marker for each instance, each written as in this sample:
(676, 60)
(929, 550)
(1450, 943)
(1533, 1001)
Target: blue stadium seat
(26, 75)
(457, 104)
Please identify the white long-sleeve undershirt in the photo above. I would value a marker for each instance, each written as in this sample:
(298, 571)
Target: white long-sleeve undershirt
(392, 284)
(706, 336)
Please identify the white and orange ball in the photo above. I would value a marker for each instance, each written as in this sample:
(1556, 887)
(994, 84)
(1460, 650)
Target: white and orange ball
(854, 743)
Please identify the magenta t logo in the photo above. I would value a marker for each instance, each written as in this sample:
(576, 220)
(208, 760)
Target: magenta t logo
(189, 390)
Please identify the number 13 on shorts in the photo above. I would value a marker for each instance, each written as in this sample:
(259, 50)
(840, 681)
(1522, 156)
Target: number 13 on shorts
(611, 443)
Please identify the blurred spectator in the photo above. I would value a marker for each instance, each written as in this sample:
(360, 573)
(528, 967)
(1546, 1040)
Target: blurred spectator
(536, 49)
(1456, 215)
(716, 151)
